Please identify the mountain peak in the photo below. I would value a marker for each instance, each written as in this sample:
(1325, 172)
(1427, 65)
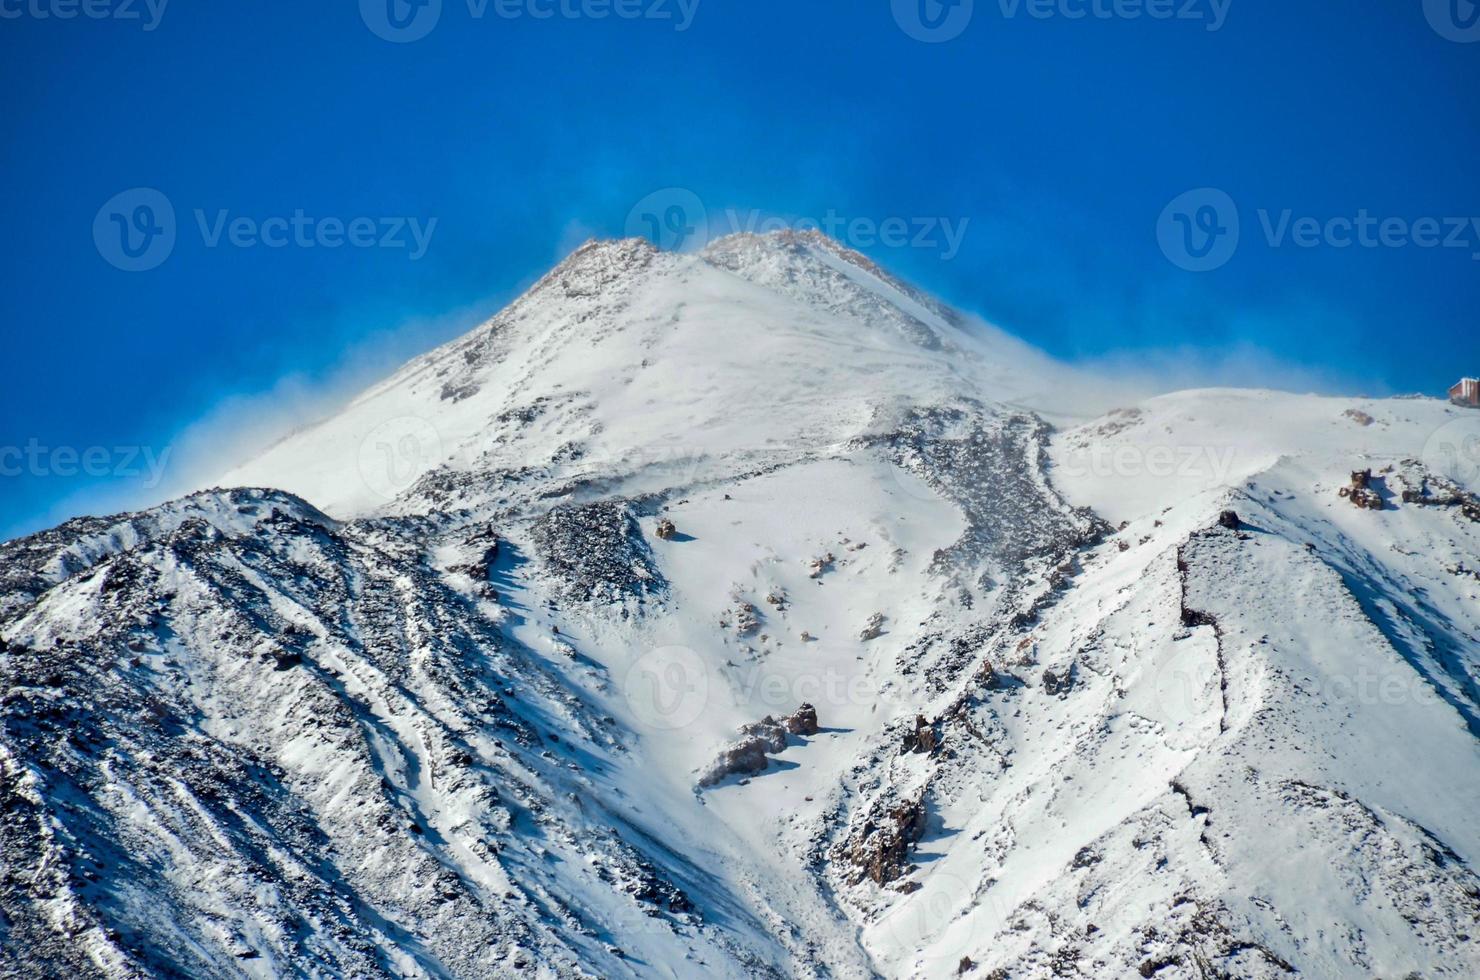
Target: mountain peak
(518, 702)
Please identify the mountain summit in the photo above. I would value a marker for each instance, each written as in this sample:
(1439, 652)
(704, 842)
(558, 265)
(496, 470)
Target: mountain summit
(752, 613)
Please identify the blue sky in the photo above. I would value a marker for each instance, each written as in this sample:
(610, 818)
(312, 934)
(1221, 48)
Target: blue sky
(1059, 147)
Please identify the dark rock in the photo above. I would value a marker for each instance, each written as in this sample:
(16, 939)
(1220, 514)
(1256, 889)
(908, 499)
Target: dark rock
(747, 755)
(802, 722)
(1056, 683)
(879, 850)
(1361, 492)
(597, 552)
(921, 738)
(1230, 520)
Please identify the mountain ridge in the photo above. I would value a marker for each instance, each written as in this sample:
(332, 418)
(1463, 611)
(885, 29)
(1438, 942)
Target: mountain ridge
(489, 684)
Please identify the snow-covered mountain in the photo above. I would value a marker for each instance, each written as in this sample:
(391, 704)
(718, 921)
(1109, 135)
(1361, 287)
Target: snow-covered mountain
(751, 613)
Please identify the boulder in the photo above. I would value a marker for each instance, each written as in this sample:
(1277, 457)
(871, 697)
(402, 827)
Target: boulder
(801, 722)
(747, 755)
(1361, 493)
(879, 849)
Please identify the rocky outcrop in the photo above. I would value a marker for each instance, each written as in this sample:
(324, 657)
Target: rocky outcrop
(666, 530)
(1058, 682)
(1361, 492)
(745, 617)
(1425, 489)
(747, 755)
(873, 629)
(596, 553)
(878, 850)
(920, 737)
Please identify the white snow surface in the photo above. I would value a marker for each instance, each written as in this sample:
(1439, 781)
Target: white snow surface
(1153, 745)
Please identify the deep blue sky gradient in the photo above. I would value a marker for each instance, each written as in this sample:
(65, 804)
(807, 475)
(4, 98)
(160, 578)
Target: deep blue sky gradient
(1060, 142)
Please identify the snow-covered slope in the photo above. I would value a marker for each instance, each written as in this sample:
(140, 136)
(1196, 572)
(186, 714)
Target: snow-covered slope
(463, 694)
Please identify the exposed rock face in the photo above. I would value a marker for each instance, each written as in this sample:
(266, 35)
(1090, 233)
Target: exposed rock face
(873, 629)
(989, 464)
(137, 841)
(747, 619)
(666, 530)
(1058, 682)
(596, 553)
(822, 563)
(878, 850)
(1230, 520)
(1426, 489)
(921, 737)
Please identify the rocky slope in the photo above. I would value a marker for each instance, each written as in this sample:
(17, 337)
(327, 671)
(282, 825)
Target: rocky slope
(751, 613)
